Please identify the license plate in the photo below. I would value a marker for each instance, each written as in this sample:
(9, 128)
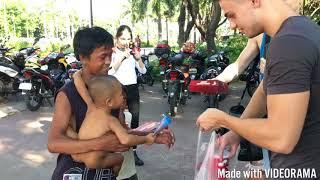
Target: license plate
(25, 86)
(193, 71)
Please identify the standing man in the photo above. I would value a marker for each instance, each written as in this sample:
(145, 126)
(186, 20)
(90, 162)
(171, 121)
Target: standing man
(289, 93)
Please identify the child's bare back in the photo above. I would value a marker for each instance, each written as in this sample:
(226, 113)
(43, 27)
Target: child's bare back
(106, 94)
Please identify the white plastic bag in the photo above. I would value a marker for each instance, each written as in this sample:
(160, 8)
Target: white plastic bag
(209, 164)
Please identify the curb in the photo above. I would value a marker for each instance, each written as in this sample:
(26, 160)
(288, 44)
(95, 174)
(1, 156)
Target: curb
(9, 109)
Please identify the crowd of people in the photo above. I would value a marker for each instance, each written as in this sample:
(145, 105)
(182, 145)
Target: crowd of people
(95, 113)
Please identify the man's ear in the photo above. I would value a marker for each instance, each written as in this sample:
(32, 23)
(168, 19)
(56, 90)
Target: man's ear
(83, 59)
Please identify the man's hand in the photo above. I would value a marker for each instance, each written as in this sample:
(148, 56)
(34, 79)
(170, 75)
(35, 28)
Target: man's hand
(166, 137)
(110, 143)
(230, 139)
(211, 119)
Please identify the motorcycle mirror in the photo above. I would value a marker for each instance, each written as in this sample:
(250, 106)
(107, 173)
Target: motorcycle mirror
(237, 110)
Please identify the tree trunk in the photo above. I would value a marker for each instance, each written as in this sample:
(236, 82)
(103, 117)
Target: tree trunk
(184, 33)
(181, 23)
(193, 9)
(213, 25)
(188, 30)
(159, 28)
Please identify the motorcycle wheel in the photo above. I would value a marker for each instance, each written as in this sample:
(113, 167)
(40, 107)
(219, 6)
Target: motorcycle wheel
(34, 100)
(213, 101)
(221, 97)
(2, 88)
(150, 81)
(172, 104)
(183, 100)
(252, 88)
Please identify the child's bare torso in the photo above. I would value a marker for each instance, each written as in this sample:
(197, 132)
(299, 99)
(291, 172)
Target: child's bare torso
(94, 125)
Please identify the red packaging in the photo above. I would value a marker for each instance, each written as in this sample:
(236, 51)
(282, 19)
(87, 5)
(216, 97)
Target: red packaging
(208, 86)
(220, 166)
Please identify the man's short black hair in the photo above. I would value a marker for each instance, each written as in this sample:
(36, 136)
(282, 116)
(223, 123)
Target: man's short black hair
(86, 40)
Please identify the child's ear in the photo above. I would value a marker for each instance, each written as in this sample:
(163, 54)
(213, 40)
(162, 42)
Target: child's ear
(109, 102)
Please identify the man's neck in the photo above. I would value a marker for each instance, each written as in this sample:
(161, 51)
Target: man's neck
(86, 75)
(274, 21)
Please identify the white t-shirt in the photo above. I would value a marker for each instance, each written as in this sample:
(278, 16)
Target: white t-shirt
(128, 167)
(126, 72)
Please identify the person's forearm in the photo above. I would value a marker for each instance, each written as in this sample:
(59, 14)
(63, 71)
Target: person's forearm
(138, 133)
(229, 73)
(259, 131)
(131, 140)
(115, 66)
(66, 145)
(141, 64)
(141, 67)
(81, 88)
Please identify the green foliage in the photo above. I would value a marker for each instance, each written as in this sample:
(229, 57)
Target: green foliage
(141, 8)
(234, 46)
(21, 44)
(154, 61)
(312, 9)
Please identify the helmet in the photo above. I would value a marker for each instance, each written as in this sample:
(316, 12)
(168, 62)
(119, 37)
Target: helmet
(33, 62)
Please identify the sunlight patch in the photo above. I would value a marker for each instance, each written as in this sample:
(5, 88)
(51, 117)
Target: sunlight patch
(35, 158)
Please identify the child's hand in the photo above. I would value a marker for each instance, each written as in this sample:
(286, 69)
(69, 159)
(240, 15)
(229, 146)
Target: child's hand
(150, 138)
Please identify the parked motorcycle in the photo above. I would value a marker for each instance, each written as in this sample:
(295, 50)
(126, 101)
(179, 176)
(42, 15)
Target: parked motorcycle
(10, 70)
(146, 78)
(216, 64)
(43, 78)
(197, 65)
(163, 51)
(251, 76)
(176, 81)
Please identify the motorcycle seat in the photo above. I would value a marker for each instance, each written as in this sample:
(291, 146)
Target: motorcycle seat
(12, 66)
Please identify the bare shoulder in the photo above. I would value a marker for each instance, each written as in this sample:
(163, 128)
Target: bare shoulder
(112, 119)
(258, 39)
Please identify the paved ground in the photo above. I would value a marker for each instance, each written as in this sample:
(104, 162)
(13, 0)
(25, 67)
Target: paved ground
(23, 137)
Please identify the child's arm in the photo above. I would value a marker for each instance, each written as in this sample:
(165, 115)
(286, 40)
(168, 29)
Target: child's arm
(124, 137)
(81, 88)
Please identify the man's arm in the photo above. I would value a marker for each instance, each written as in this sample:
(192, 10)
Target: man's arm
(58, 142)
(247, 55)
(281, 131)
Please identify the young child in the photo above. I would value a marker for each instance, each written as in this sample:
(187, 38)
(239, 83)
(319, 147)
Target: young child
(104, 94)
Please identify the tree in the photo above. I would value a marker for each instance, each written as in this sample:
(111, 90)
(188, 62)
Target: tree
(184, 17)
(311, 8)
(156, 8)
(206, 15)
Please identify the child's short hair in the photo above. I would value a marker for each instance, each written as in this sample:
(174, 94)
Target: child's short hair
(102, 87)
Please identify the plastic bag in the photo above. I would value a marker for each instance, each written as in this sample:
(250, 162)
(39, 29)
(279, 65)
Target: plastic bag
(209, 164)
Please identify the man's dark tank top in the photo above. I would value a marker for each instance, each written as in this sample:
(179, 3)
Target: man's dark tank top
(65, 164)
